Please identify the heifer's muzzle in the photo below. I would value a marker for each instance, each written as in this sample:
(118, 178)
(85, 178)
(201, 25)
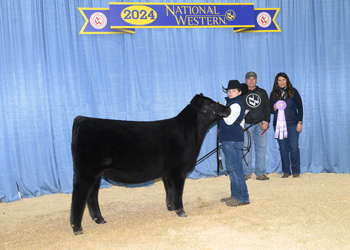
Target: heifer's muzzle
(222, 111)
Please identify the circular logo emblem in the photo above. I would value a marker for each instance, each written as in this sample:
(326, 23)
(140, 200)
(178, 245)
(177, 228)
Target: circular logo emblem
(98, 20)
(230, 15)
(264, 19)
(253, 100)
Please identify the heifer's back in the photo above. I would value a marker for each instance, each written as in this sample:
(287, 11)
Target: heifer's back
(135, 152)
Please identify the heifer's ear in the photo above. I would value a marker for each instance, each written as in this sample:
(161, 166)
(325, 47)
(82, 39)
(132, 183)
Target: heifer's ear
(201, 94)
(196, 101)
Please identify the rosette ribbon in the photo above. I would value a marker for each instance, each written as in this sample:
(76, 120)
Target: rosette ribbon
(281, 125)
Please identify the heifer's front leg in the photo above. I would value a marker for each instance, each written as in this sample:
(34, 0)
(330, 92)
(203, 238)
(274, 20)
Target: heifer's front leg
(81, 191)
(93, 206)
(169, 190)
(178, 183)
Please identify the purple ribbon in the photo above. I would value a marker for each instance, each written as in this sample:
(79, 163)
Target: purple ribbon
(281, 125)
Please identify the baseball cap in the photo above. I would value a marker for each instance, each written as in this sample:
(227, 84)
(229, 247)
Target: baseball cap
(251, 74)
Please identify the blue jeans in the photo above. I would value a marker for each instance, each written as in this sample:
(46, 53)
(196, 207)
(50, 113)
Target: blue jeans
(260, 146)
(289, 149)
(233, 155)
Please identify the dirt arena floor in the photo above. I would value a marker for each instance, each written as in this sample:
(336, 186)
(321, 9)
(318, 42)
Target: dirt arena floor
(310, 212)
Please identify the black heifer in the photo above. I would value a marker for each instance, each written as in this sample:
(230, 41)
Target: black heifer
(136, 152)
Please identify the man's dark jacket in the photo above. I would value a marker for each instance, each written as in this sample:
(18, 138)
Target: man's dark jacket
(257, 101)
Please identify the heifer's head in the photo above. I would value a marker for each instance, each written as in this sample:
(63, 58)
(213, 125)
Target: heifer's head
(206, 105)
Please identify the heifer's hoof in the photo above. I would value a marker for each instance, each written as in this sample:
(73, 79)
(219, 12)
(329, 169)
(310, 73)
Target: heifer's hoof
(170, 207)
(100, 220)
(77, 231)
(181, 212)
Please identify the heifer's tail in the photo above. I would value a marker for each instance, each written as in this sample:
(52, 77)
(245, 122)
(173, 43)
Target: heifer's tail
(76, 122)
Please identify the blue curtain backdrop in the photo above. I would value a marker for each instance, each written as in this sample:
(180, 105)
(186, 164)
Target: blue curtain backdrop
(49, 74)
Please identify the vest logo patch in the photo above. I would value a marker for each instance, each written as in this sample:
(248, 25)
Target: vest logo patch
(253, 100)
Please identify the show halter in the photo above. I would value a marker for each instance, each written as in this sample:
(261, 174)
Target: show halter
(218, 155)
(281, 125)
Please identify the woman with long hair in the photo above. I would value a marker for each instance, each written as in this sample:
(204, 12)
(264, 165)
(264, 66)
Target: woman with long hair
(287, 122)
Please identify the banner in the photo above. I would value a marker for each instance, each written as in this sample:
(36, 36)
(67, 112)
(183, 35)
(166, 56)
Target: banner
(264, 21)
(181, 15)
(124, 18)
(97, 22)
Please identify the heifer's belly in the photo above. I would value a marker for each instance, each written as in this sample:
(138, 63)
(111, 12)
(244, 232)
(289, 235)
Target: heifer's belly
(131, 177)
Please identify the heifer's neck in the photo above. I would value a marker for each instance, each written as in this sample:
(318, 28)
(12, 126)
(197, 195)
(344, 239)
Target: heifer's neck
(196, 120)
(194, 126)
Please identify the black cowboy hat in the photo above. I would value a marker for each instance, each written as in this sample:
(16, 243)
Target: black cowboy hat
(234, 84)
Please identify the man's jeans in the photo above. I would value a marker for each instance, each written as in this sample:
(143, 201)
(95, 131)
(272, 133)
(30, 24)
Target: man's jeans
(260, 145)
(289, 149)
(233, 163)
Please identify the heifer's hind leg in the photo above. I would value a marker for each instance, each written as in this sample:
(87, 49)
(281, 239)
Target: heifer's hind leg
(81, 191)
(93, 206)
(169, 191)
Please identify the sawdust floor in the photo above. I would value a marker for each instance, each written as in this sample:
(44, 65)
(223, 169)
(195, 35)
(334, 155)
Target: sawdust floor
(310, 212)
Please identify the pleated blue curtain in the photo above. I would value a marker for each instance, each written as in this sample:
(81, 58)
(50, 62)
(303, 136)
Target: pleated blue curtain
(50, 74)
